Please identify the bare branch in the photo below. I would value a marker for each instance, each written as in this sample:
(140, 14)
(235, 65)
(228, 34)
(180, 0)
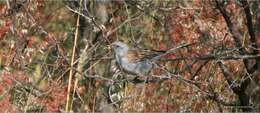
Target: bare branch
(215, 57)
(90, 19)
(228, 76)
(233, 30)
(235, 33)
(198, 70)
(250, 30)
(236, 88)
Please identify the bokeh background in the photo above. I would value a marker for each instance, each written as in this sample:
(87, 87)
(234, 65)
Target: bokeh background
(55, 56)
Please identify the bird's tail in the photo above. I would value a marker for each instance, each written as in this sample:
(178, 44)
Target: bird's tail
(172, 50)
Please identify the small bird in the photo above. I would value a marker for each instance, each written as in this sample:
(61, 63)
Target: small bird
(133, 61)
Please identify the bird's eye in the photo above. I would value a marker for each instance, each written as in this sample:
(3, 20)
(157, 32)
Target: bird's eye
(117, 46)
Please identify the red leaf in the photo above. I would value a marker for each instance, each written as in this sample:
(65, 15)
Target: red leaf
(4, 28)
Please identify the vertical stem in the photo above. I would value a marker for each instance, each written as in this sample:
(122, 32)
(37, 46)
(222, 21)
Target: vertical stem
(68, 107)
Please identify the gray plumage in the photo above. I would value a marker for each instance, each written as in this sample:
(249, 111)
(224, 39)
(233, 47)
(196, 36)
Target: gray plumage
(132, 61)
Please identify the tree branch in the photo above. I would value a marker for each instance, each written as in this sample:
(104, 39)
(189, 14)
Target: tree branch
(243, 97)
(236, 35)
(251, 30)
(228, 76)
(214, 57)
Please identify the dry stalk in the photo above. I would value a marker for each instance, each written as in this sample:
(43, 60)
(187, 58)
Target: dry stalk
(69, 101)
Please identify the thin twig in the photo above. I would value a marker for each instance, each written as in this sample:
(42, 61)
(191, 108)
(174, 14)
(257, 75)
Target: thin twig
(69, 101)
(213, 57)
(90, 19)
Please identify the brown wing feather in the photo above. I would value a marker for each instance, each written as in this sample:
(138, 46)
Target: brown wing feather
(132, 56)
(135, 56)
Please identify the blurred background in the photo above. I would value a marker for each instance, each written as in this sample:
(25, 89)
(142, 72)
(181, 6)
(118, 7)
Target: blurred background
(55, 56)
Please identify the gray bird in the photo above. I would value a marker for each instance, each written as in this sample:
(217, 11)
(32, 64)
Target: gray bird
(132, 61)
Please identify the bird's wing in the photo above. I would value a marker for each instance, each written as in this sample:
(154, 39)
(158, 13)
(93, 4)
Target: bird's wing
(152, 53)
(134, 56)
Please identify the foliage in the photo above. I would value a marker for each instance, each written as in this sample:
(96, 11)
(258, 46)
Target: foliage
(217, 72)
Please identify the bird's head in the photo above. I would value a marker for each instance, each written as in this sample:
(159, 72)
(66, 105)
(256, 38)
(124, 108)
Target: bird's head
(119, 48)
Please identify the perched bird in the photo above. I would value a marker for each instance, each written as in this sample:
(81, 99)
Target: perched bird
(133, 61)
